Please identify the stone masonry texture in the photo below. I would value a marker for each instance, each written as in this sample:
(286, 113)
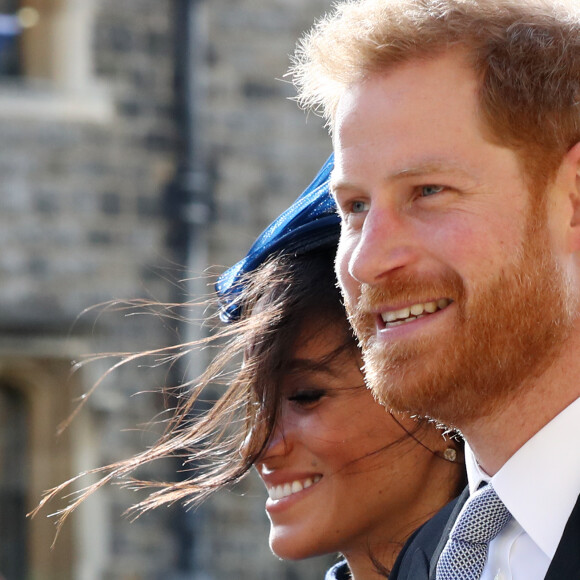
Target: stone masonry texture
(83, 221)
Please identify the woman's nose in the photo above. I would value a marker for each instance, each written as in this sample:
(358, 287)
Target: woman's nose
(278, 445)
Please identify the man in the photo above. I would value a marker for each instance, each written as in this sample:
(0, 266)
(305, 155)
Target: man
(456, 130)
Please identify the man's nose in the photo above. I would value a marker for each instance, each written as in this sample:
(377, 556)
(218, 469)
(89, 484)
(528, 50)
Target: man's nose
(384, 244)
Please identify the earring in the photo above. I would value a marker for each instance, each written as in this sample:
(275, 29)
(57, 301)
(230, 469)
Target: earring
(450, 454)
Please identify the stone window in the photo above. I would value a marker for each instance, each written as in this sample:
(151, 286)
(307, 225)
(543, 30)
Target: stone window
(32, 459)
(47, 70)
(13, 487)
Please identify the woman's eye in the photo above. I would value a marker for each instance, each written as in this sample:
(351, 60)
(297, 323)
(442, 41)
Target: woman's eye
(306, 398)
(427, 190)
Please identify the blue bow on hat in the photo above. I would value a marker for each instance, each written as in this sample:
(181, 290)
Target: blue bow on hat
(311, 222)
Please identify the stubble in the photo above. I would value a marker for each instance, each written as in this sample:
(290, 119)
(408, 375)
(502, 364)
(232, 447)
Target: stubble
(505, 333)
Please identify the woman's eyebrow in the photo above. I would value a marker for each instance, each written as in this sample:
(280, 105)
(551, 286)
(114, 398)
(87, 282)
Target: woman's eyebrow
(303, 365)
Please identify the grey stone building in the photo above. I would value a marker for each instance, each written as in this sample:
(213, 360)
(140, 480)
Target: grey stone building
(141, 141)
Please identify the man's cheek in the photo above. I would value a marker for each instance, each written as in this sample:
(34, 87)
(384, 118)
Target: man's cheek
(349, 287)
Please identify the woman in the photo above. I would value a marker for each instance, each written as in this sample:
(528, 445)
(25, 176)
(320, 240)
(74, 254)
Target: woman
(342, 474)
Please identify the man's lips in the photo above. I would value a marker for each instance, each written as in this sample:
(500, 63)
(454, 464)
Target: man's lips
(406, 314)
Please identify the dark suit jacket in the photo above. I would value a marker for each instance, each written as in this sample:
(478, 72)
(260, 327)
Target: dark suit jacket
(418, 558)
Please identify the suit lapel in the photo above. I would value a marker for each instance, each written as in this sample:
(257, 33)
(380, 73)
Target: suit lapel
(413, 560)
(566, 562)
(446, 531)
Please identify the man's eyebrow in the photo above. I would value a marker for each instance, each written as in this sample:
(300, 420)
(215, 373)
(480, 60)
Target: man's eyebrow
(336, 183)
(416, 170)
(427, 168)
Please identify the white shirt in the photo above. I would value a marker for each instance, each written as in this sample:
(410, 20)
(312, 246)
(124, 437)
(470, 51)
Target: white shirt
(539, 485)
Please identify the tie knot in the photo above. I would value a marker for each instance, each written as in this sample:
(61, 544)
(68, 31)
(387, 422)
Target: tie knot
(483, 518)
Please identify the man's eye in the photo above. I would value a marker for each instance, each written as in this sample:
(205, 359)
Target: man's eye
(306, 398)
(427, 190)
(358, 207)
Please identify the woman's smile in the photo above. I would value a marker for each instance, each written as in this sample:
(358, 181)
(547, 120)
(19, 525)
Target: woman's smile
(284, 490)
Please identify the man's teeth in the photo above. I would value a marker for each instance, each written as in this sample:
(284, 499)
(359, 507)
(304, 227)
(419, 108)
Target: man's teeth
(286, 489)
(409, 313)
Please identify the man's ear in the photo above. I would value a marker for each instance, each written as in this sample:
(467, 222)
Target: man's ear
(572, 181)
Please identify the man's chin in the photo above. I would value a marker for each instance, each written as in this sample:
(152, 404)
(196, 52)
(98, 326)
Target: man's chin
(423, 401)
(419, 382)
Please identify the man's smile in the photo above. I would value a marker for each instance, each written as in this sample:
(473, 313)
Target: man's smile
(407, 314)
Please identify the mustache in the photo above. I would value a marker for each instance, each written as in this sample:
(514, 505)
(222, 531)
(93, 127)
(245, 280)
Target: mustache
(404, 288)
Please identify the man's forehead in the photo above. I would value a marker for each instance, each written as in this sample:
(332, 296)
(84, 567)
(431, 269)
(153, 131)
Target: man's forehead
(411, 70)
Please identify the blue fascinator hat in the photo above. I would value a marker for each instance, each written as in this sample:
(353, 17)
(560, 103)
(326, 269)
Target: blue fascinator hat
(311, 222)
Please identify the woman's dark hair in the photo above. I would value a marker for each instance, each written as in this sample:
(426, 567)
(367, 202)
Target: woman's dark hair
(305, 290)
(219, 445)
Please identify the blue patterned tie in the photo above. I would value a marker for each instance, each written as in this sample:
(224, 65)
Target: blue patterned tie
(464, 555)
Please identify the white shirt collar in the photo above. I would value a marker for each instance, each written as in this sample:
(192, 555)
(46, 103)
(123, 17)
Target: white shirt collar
(475, 474)
(540, 483)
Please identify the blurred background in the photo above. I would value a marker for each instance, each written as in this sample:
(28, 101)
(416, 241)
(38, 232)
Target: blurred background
(141, 141)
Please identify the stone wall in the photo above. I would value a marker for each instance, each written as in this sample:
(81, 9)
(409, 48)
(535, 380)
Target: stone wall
(262, 151)
(80, 205)
(82, 222)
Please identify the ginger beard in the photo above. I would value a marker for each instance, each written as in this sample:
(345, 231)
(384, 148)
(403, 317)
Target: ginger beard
(509, 330)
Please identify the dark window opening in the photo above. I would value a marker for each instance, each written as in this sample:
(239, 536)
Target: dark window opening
(10, 64)
(13, 489)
